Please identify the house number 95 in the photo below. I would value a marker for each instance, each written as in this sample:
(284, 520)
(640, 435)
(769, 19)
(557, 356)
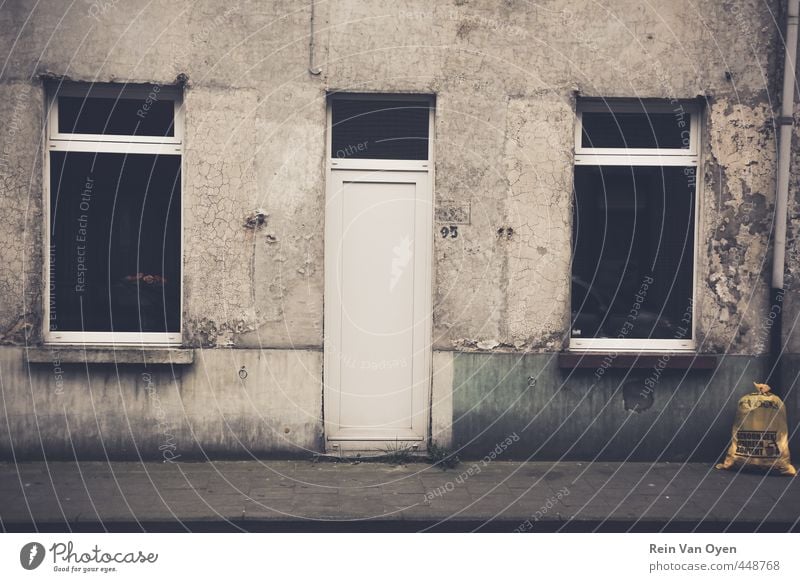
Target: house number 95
(451, 231)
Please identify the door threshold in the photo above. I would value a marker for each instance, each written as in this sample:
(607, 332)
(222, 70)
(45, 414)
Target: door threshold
(375, 446)
(371, 455)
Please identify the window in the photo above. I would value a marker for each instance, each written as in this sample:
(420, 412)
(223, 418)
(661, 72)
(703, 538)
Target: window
(384, 129)
(634, 226)
(114, 214)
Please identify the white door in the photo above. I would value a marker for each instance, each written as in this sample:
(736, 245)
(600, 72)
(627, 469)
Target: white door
(377, 308)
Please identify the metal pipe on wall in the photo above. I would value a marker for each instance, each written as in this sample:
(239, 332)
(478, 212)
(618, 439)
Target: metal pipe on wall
(312, 68)
(786, 123)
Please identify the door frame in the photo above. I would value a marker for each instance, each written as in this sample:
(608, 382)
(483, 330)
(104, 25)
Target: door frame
(336, 439)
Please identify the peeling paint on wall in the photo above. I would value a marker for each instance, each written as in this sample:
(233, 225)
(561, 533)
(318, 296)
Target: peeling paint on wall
(737, 207)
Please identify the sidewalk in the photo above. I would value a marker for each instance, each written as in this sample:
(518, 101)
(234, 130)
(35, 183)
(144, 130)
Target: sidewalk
(341, 496)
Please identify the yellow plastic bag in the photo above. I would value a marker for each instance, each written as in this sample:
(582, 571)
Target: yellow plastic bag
(760, 435)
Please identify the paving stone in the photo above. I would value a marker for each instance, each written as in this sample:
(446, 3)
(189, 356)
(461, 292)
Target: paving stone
(276, 510)
(404, 487)
(287, 490)
(394, 501)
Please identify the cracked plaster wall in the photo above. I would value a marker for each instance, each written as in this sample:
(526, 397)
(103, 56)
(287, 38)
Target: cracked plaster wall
(505, 75)
(219, 191)
(21, 214)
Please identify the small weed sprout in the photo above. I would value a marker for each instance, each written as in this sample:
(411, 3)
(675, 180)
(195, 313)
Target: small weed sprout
(442, 457)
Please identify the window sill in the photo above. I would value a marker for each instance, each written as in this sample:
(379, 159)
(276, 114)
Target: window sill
(665, 360)
(75, 354)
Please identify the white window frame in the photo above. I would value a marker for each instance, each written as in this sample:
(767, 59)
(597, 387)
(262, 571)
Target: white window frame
(371, 164)
(643, 157)
(137, 92)
(56, 141)
(596, 106)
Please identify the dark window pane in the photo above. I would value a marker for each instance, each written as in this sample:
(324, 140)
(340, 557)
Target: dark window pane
(115, 235)
(633, 242)
(636, 130)
(111, 116)
(380, 130)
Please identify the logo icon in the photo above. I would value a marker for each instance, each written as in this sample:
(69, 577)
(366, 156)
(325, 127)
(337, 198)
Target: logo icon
(31, 555)
(402, 257)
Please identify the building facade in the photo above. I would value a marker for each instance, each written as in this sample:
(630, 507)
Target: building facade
(291, 228)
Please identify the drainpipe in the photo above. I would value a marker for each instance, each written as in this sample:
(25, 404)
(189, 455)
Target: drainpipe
(312, 68)
(786, 123)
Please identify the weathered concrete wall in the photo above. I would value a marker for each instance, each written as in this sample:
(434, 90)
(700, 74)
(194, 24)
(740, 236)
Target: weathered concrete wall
(571, 414)
(202, 410)
(505, 75)
(219, 193)
(21, 107)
